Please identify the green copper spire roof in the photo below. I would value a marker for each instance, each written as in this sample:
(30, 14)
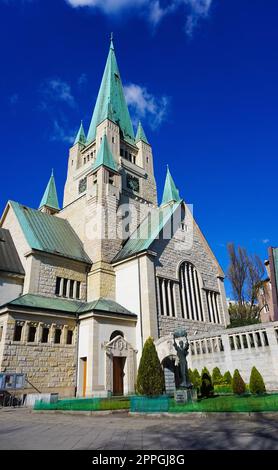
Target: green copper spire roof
(50, 198)
(104, 156)
(141, 134)
(111, 102)
(80, 137)
(170, 193)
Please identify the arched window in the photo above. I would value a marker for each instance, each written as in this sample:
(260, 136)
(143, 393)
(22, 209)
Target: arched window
(116, 333)
(190, 292)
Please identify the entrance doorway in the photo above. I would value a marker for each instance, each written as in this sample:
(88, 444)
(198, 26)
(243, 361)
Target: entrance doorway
(84, 375)
(118, 375)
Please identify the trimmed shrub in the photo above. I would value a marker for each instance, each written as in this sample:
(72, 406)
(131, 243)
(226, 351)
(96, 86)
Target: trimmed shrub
(150, 378)
(217, 378)
(206, 388)
(195, 378)
(227, 378)
(238, 384)
(256, 382)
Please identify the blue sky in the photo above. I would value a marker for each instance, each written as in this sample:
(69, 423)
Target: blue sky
(201, 74)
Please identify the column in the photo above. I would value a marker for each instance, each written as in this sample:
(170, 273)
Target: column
(169, 298)
(199, 308)
(164, 298)
(192, 292)
(183, 293)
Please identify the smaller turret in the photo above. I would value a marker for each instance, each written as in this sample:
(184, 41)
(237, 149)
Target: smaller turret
(49, 202)
(171, 192)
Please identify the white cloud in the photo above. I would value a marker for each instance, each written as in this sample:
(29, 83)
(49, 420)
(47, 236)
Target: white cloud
(144, 105)
(154, 10)
(55, 89)
(108, 6)
(265, 241)
(60, 133)
(82, 80)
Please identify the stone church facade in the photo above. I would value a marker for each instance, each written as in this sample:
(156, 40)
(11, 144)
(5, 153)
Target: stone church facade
(83, 286)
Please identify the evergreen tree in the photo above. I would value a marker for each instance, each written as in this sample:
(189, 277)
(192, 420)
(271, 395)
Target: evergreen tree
(150, 378)
(197, 379)
(238, 383)
(256, 383)
(217, 378)
(206, 384)
(227, 378)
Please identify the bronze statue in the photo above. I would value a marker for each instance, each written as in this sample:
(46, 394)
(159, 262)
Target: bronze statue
(182, 351)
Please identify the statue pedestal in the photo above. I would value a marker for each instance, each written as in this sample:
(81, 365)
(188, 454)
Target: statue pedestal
(185, 395)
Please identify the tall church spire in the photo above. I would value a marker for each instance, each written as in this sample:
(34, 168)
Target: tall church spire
(140, 135)
(111, 102)
(171, 192)
(49, 202)
(80, 136)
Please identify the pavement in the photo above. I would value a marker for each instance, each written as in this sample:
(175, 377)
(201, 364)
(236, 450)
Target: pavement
(21, 429)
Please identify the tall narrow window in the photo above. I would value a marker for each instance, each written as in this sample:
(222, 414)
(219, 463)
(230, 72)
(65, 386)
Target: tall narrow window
(57, 336)
(71, 289)
(17, 332)
(78, 290)
(213, 306)
(69, 336)
(1, 332)
(167, 297)
(58, 285)
(65, 287)
(32, 334)
(190, 292)
(45, 335)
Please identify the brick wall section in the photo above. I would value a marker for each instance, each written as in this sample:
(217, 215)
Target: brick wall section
(49, 367)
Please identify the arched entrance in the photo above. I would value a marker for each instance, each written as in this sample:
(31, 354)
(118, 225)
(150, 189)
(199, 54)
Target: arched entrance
(120, 365)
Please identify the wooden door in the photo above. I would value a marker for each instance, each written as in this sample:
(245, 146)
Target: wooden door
(118, 375)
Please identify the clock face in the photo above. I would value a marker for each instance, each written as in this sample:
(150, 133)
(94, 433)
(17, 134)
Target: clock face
(132, 183)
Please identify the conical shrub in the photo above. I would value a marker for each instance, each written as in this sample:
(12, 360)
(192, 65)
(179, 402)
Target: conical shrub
(150, 377)
(238, 383)
(256, 383)
(217, 378)
(227, 378)
(206, 388)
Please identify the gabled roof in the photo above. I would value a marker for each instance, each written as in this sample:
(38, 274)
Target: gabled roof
(74, 307)
(170, 193)
(147, 232)
(50, 198)
(80, 136)
(9, 259)
(104, 156)
(111, 102)
(140, 135)
(49, 233)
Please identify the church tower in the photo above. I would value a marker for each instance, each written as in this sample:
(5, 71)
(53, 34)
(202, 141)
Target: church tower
(110, 185)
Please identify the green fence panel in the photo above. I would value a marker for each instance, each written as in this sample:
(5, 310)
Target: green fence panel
(149, 405)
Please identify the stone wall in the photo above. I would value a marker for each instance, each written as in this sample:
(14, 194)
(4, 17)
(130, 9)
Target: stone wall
(239, 348)
(48, 366)
(44, 269)
(170, 254)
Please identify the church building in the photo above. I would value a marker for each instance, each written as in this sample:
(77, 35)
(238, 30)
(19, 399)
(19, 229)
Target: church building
(83, 285)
